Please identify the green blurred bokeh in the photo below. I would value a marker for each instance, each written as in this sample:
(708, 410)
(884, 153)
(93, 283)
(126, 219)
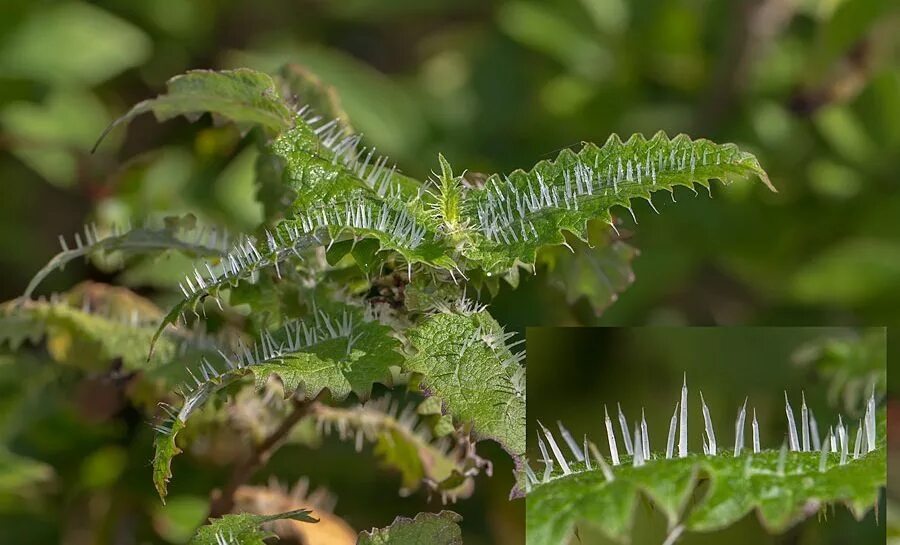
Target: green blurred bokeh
(812, 87)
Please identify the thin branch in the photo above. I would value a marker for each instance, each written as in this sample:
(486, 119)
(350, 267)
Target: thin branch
(223, 500)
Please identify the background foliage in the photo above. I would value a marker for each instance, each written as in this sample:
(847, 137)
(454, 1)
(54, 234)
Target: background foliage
(811, 87)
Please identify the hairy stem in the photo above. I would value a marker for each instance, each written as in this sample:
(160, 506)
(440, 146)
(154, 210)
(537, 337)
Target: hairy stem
(223, 500)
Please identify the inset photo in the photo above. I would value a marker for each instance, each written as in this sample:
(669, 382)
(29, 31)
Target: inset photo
(693, 435)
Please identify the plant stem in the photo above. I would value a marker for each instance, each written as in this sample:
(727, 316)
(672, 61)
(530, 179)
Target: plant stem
(223, 500)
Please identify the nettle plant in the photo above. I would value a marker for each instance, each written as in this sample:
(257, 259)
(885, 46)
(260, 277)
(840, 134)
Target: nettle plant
(574, 484)
(358, 275)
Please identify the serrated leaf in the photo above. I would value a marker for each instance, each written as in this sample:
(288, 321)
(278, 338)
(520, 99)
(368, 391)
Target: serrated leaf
(164, 449)
(782, 493)
(243, 529)
(340, 352)
(174, 234)
(89, 326)
(243, 96)
(351, 354)
(514, 215)
(426, 528)
(304, 88)
(464, 360)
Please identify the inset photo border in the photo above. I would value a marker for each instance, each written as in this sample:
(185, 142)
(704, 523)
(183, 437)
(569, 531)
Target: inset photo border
(694, 435)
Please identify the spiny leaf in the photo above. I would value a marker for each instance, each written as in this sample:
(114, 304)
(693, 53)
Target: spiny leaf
(427, 528)
(782, 487)
(464, 360)
(326, 163)
(242, 96)
(246, 259)
(164, 449)
(172, 235)
(341, 352)
(514, 215)
(303, 88)
(88, 326)
(446, 466)
(243, 529)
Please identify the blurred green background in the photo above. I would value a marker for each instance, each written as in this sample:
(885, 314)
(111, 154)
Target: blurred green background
(811, 86)
(574, 372)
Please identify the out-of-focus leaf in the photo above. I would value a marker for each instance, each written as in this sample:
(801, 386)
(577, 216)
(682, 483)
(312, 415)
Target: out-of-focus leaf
(88, 326)
(854, 365)
(406, 444)
(21, 477)
(54, 136)
(175, 233)
(330, 530)
(599, 273)
(306, 89)
(72, 42)
(852, 272)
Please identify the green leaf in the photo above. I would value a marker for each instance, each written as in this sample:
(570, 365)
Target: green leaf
(341, 352)
(244, 97)
(512, 216)
(164, 449)
(21, 477)
(427, 528)
(853, 365)
(464, 360)
(304, 88)
(176, 233)
(598, 273)
(243, 529)
(782, 494)
(406, 444)
(852, 272)
(89, 326)
(72, 43)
